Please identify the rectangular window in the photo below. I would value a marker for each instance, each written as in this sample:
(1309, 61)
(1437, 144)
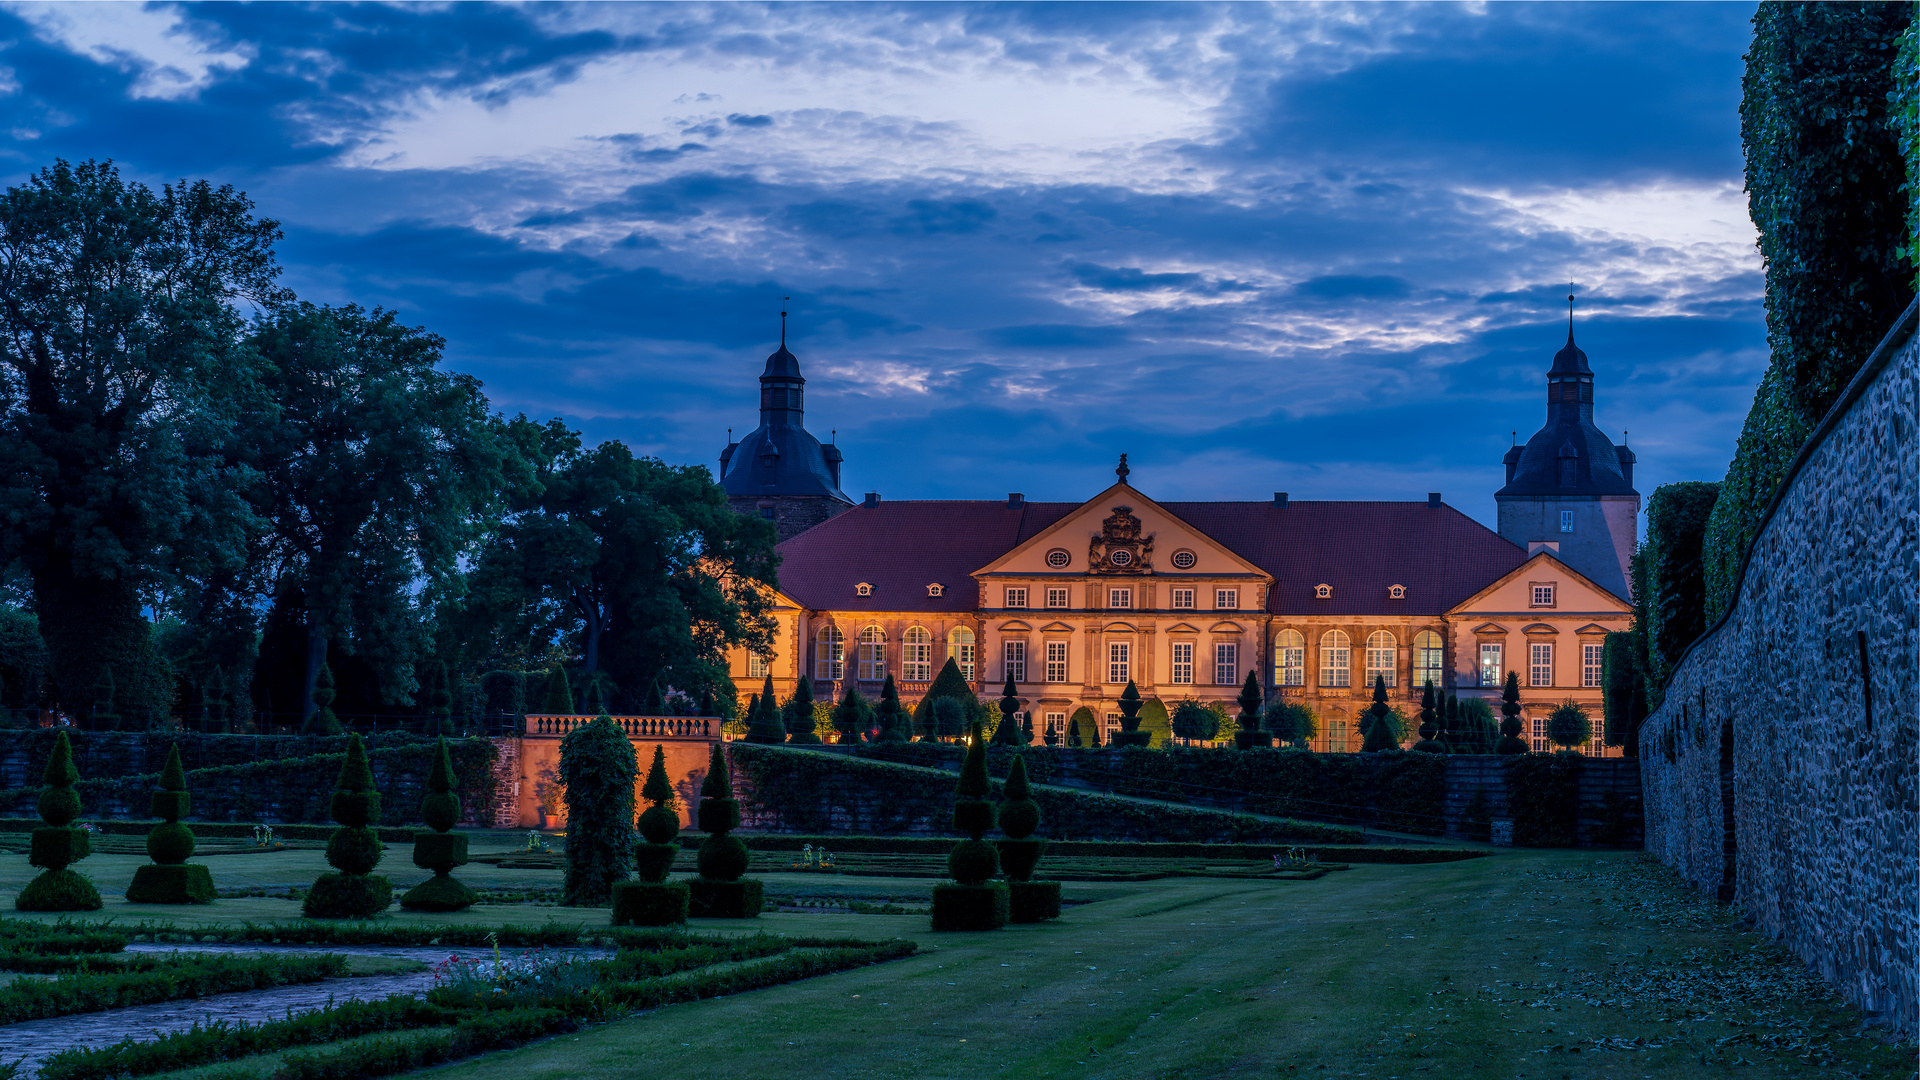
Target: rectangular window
(1226, 664)
(1056, 597)
(1540, 669)
(1119, 661)
(758, 665)
(829, 660)
(1542, 594)
(1226, 599)
(1183, 598)
(1183, 662)
(1016, 597)
(1016, 657)
(1380, 661)
(1490, 665)
(1113, 725)
(962, 653)
(1056, 724)
(1290, 666)
(1566, 521)
(1590, 664)
(916, 661)
(1539, 739)
(1119, 598)
(1056, 661)
(1597, 744)
(1336, 665)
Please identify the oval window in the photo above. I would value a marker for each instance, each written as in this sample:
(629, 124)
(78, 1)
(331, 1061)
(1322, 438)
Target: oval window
(1058, 558)
(1184, 560)
(1120, 557)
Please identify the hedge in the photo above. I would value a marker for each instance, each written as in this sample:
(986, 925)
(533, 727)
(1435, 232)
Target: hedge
(1111, 849)
(1671, 610)
(800, 790)
(30, 999)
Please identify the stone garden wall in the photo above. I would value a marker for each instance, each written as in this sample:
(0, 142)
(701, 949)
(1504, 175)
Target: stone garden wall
(1780, 772)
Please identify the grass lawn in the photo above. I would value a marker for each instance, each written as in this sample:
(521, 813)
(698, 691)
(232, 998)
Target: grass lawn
(1529, 964)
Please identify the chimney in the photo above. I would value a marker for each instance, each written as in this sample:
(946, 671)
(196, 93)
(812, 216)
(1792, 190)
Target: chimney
(1279, 500)
(872, 501)
(1015, 500)
(1433, 500)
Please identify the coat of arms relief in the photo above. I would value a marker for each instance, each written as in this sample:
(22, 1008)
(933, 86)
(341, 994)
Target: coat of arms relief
(1119, 548)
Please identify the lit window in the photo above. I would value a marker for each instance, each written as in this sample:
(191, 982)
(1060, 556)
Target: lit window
(1119, 598)
(1590, 664)
(1226, 663)
(1016, 596)
(1540, 734)
(873, 654)
(1183, 598)
(1113, 725)
(936, 590)
(1119, 661)
(1336, 659)
(1015, 653)
(758, 665)
(1226, 599)
(1380, 656)
(960, 650)
(1540, 669)
(1323, 592)
(1490, 664)
(1184, 560)
(916, 658)
(1057, 597)
(1566, 521)
(1056, 724)
(863, 589)
(1183, 662)
(828, 655)
(1056, 661)
(1396, 592)
(1426, 659)
(1290, 659)
(1542, 594)
(1597, 744)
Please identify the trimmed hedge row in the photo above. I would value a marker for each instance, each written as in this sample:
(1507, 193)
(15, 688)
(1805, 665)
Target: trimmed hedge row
(1400, 791)
(801, 790)
(1112, 849)
(32, 999)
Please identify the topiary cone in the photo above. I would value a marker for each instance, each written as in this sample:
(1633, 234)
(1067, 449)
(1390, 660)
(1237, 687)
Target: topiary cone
(721, 891)
(1019, 817)
(171, 880)
(973, 860)
(659, 823)
(57, 845)
(440, 850)
(354, 849)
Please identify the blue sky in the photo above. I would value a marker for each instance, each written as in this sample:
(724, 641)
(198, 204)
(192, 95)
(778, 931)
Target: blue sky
(1319, 249)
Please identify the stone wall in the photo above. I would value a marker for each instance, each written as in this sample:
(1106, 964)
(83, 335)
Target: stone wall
(1780, 771)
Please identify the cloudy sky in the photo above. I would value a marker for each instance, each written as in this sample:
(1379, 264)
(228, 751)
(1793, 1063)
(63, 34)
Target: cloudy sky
(1320, 249)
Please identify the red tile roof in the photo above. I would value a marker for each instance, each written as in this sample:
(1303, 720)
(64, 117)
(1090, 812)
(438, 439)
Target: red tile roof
(1360, 548)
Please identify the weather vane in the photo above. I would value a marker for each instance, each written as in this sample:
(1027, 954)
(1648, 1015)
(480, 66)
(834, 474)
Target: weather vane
(783, 320)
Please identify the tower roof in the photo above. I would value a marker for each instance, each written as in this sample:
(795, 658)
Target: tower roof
(782, 364)
(1570, 455)
(1571, 360)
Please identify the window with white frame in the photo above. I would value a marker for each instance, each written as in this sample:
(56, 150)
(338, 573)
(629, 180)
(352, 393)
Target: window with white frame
(1539, 734)
(1056, 725)
(1182, 672)
(1290, 659)
(1381, 650)
(1226, 663)
(1566, 521)
(1336, 659)
(1183, 598)
(1540, 663)
(1119, 598)
(873, 654)
(1597, 738)
(1226, 599)
(758, 665)
(1590, 666)
(1491, 664)
(960, 650)
(916, 656)
(829, 655)
(1016, 596)
(1113, 725)
(1016, 661)
(1427, 653)
(1543, 594)
(1056, 661)
(1057, 597)
(1119, 661)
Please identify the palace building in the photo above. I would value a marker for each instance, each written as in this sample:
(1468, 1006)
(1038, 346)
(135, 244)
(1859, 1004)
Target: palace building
(1073, 600)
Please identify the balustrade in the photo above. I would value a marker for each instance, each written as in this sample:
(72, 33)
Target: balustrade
(639, 727)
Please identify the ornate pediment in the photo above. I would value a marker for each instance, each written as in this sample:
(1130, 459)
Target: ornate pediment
(1119, 548)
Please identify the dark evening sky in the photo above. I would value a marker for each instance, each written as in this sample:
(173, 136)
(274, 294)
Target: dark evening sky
(1316, 249)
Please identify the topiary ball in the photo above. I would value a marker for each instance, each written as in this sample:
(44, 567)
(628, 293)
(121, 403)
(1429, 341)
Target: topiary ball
(170, 844)
(1019, 817)
(973, 816)
(660, 824)
(59, 805)
(354, 851)
(973, 862)
(440, 810)
(355, 809)
(722, 858)
(58, 890)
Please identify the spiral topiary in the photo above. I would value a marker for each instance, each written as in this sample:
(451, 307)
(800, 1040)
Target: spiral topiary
(353, 891)
(440, 850)
(720, 891)
(653, 900)
(322, 722)
(1027, 900)
(972, 902)
(170, 845)
(57, 845)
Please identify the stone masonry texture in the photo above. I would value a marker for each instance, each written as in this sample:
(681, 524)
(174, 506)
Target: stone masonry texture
(1780, 771)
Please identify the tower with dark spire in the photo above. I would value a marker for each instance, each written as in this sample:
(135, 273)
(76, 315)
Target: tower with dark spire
(780, 471)
(1570, 488)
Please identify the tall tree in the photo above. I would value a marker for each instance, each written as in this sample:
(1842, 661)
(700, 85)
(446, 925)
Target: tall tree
(122, 375)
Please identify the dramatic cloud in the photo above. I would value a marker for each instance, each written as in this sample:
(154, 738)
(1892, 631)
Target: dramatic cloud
(1320, 249)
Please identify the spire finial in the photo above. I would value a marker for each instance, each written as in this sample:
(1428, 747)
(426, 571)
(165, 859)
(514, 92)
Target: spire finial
(1569, 314)
(1121, 471)
(783, 319)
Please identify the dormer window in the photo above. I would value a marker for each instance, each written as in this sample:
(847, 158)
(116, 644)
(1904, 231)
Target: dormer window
(936, 589)
(1396, 592)
(863, 589)
(1323, 591)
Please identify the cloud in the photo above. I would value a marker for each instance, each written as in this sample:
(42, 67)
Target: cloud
(170, 55)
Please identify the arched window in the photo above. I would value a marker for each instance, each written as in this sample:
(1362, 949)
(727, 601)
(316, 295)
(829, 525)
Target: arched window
(873, 654)
(1380, 656)
(960, 650)
(1336, 659)
(1290, 659)
(1426, 659)
(916, 659)
(829, 655)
